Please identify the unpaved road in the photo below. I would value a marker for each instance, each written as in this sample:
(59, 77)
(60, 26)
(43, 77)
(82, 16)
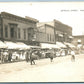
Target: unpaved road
(61, 70)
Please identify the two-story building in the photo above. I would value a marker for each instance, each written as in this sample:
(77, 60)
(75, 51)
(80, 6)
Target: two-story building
(63, 32)
(54, 32)
(16, 28)
(45, 35)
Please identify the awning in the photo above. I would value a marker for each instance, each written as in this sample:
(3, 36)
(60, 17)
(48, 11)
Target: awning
(34, 47)
(70, 37)
(60, 44)
(22, 46)
(70, 45)
(60, 35)
(11, 45)
(47, 45)
(2, 45)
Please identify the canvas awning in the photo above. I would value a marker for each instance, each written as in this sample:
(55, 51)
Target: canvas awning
(70, 45)
(47, 45)
(2, 45)
(60, 44)
(35, 46)
(60, 35)
(70, 37)
(22, 46)
(11, 45)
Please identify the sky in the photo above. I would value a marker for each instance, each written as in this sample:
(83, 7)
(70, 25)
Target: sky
(70, 13)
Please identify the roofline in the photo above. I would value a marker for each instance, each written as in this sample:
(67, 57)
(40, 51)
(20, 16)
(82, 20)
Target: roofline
(21, 17)
(49, 25)
(62, 23)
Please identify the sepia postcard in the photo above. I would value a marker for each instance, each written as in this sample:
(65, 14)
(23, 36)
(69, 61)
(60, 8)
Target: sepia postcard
(41, 41)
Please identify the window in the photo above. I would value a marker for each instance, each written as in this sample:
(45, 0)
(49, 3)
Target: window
(19, 33)
(50, 37)
(12, 32)
(24, 31)
(47, 37)
(0, 30)
(6, 31)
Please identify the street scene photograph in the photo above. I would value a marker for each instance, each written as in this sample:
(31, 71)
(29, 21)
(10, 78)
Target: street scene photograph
(41, 41)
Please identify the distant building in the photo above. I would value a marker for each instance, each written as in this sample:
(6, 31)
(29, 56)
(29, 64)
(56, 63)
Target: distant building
(63, 32)
(16, 28)
(46, 33)
(54, 31)
(79, 39)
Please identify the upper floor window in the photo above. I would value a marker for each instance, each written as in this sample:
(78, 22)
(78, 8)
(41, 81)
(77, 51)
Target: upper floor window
(24, 31)
(19, 35)
(50, 38)
(47, 37)
(6, 31)
(13, 30)
(0, 31)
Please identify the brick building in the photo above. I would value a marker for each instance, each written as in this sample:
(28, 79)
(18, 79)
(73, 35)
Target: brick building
(63, 32)
(18, 29)
(54, 31)
(46, 33)
(15, 28)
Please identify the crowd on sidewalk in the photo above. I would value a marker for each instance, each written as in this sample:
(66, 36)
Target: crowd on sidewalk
(7, 56)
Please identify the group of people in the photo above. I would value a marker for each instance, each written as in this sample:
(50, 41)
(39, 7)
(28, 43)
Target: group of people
(32, 55)
(4, 56)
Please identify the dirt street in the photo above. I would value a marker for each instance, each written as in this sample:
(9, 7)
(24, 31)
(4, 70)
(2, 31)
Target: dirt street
(60, 70)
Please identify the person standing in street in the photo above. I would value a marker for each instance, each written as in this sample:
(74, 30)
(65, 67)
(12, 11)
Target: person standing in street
(27, 56)
(72, 56)
(2, 57)
(10, 56)
(32, 58)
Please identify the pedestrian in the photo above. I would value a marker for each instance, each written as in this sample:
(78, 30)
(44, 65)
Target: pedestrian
(32, 57)
(10, 56)
(2, 57)
(27, 56)
(51, 56)
(72, 56)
